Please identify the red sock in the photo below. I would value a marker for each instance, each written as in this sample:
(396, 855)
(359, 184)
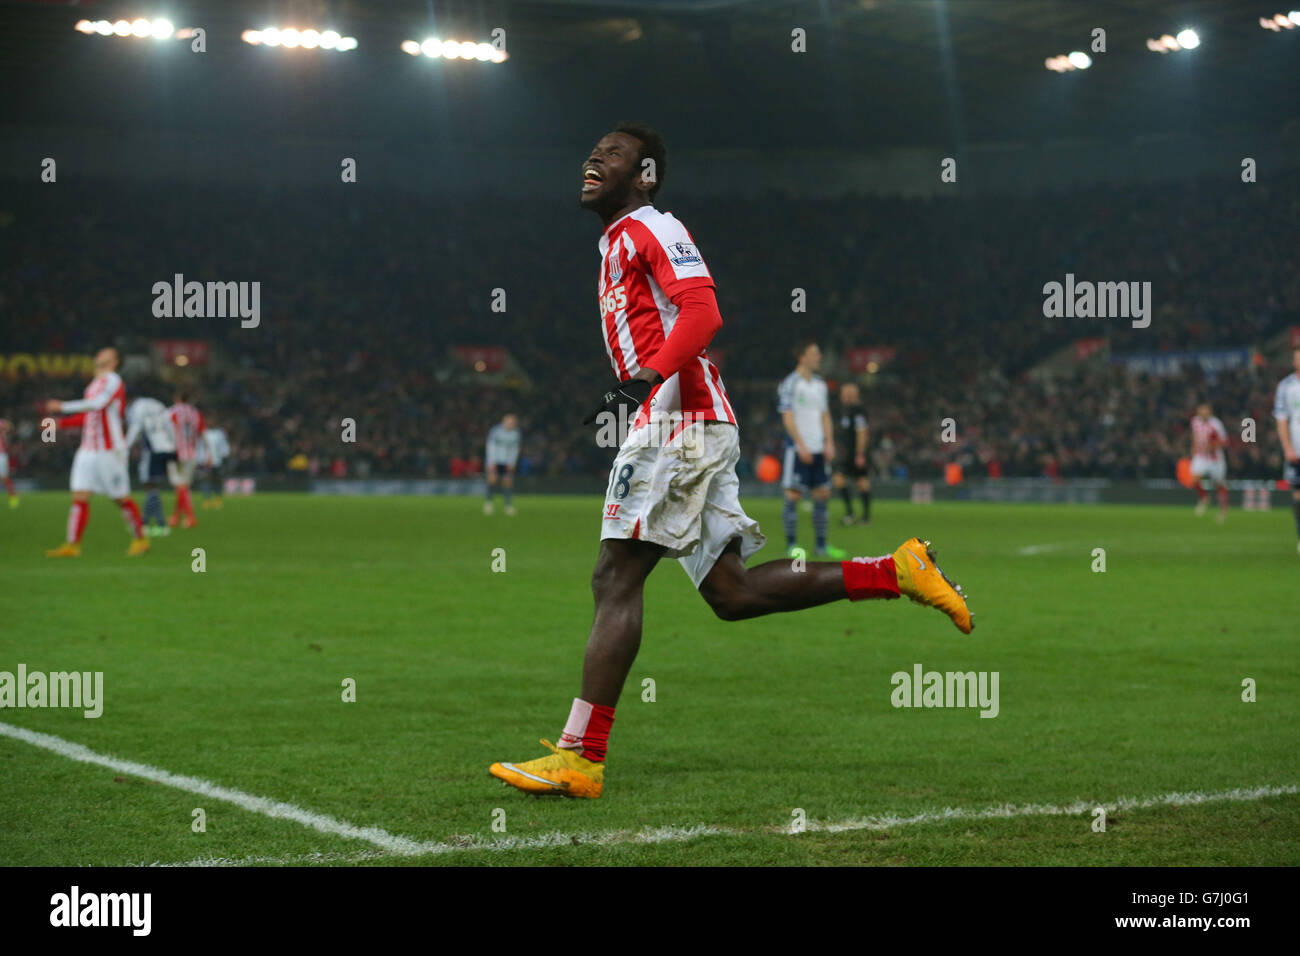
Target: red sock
(131, 514)
(9, 487)
(184, 502)
(1223, 498)
(1200, 493)
(588, 729)
(77, 516)
(866, 578)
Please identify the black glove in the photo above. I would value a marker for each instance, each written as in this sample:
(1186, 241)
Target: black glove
(630, 395)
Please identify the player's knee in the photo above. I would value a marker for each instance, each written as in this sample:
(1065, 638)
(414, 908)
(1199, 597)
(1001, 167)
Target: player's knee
(727, 599)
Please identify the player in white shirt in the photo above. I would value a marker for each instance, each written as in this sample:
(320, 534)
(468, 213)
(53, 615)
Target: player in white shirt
(99, 466)
(147, 418)
(1208, 465)
(1286, 409)
(212, 454)
(499, 463)
(804, 403)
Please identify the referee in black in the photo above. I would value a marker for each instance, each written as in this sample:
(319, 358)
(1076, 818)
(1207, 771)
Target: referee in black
(851, 443)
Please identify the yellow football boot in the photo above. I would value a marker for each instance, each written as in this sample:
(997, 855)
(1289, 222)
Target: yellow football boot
(565, 772)
(65, 550)
(138, 546)
(921, 580)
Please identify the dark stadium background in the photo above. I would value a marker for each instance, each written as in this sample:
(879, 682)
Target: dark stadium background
(816, 170)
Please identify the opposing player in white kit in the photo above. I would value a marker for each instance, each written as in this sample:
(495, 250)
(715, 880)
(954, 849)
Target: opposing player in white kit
(147, 418)
(803, 401)
(99, 467)
(502, 455)
(212, 454)
(673, 490)
(1208, 464)
(1286, 409)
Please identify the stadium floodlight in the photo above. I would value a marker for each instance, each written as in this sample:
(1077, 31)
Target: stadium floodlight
(431, 47)
(411, 47)
(141, 28)
(85, 26)
(1188, 40)
(1283, 21)
(103, 28)
(309, 39)
(483, 51)
(329, 40)
(1294, 17)
(347, 43)
(251, 36)
(162, 29)
(271, 36)
(450, 49)
(289, 37)
(122, 28)
(1068, 63)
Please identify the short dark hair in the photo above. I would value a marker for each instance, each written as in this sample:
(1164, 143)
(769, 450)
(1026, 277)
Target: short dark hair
(803, 346)
(652, 147)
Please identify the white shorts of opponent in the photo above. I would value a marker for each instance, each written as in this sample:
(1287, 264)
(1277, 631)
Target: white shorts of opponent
(682, 494)
(180, 472)
(1205, 466)
(101, 473)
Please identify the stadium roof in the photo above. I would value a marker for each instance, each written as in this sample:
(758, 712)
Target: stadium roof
(714, 73)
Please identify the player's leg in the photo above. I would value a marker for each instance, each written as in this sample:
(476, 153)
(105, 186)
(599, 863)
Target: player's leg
(508, 488)
(78, 515)
(134, 525)
(1295, 509)
(617, 585)
(841, 485)
(576, 768)
(790, 519)
(821, 502)
(8, 482)
(1202, 492)
(81, 482)
(491, 475)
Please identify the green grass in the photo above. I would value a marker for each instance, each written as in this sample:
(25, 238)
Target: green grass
(1123, 683)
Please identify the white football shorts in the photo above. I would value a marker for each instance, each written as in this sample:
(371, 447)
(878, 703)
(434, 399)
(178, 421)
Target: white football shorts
(180, 472)
(682, 494)
(101, 473)
(1204, 466)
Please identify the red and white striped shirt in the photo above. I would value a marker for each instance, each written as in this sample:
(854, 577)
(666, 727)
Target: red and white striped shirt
(188, 423)
(1208, 438)
(101, 423)
(648, 259)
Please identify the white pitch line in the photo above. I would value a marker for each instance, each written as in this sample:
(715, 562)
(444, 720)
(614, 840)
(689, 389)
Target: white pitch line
(390, 844)
(267, 807)
(670, 834)
(1031, 549)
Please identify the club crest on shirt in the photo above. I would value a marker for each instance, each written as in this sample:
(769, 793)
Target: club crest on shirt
(615, 268)
(684, 254)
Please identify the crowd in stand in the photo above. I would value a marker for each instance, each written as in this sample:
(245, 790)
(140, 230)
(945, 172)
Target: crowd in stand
(364, 296)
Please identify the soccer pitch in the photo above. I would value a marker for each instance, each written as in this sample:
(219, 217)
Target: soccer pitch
(224, 692)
